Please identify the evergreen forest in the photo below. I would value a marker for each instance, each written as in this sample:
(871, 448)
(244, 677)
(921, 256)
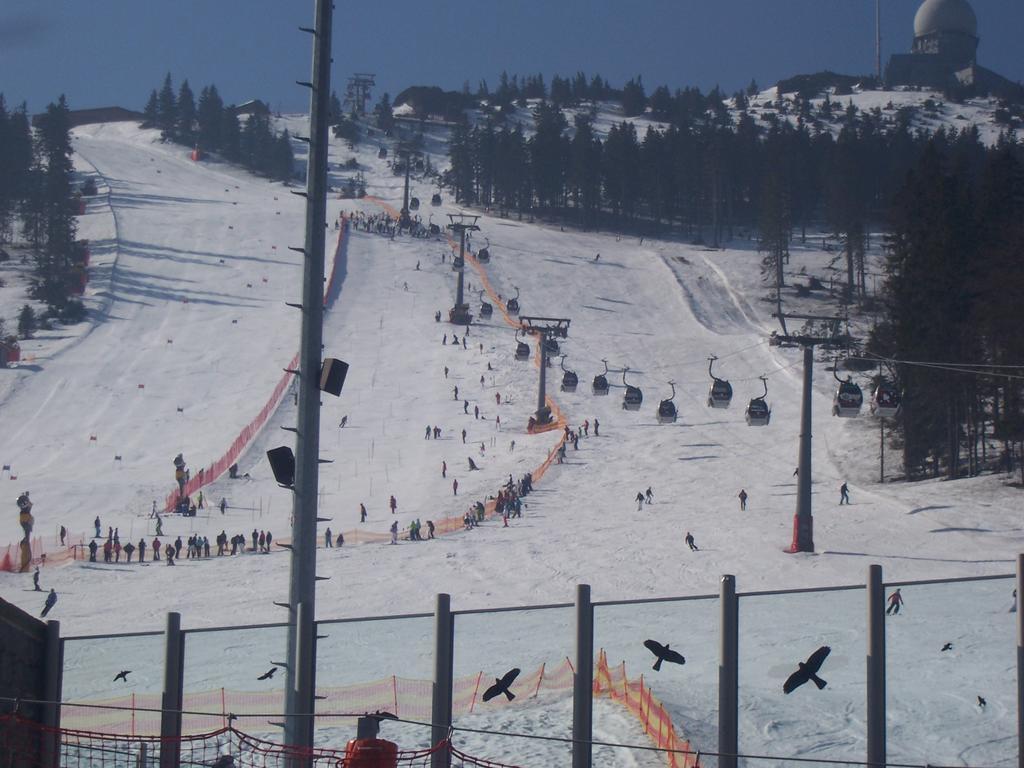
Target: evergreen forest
(950, 209)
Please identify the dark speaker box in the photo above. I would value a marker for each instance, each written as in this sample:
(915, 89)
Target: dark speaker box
(332, 376)
(282, 463)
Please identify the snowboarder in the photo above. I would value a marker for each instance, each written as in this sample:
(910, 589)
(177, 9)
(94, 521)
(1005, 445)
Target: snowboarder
(444, 469)
(455, 389)
(446, 371)
(895, 601)
(844, 494)
(497, 397)
(51, 600)
(156, 549)
(129, 548)
(394, 532)
(512, 446)
(341, 540)
(99, 528)
(92, 551)
(159, 526)
(597, 257)
(597, 428)
(393, 504)
(362, 513)
(426, 433)
(743, 499)
(430, 529)
(223, 504)
(689, 542)
(649, 495)
(455, 487)
(344, 421)
(328, 539)
(639, 500)
(465, 407)
(463, 437)
(472, 465)
(476, 411)
(63, 534)
(586, 428)
(35, 580)
(142, 550)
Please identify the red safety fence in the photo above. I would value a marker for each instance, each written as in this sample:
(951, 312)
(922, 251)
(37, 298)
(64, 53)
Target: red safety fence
(207, 475)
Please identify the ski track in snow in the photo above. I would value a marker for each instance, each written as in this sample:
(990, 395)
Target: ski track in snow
(177, 233)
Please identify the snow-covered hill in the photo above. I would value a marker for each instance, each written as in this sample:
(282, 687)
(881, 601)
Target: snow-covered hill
(190, 333)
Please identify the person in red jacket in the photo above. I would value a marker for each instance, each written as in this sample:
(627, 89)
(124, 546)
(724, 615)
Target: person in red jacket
(156, 549)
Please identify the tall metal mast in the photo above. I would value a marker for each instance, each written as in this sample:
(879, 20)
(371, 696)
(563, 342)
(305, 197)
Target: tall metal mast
(300, 683)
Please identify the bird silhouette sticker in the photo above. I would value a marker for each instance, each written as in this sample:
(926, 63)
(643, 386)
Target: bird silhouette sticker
(501, 685)
(268, 674)
(122, 675)
(981, 702)
(664, 653)
(947, 647)
(808, 670)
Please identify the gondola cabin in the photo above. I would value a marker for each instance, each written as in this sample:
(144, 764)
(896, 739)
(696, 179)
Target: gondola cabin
(848, 400)
(720, 394)
(886, 401)
(569, 381)
(486, 310)
(758, 414)
(458, 263)
(512, 306)
(551, 347)
(435, 199)
(483, 255)
(414, 203)
(600, 385)
(382, 153)
(666, 412)
(522, 350)
(633, 398)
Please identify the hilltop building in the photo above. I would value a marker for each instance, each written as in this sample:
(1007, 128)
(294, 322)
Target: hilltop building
(944, 53)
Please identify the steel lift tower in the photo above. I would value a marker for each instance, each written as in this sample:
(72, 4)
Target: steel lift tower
(546, 328)
(803, 521)
(461, 223)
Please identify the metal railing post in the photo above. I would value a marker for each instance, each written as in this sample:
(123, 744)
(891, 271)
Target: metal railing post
(728, 676)
(441, 701)
(583, 681)
(170, 717)
(1020, 661)
(53, 671)
(876, 668)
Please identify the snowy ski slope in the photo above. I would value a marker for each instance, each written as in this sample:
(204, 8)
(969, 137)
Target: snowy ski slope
(191, 309)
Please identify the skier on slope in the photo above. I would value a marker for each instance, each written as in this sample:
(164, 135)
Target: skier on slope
(639, 500)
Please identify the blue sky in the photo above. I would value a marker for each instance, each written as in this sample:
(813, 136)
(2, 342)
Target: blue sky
(102, 52)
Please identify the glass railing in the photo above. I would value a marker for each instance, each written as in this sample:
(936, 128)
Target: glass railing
(776, 633)
(673, 707)
(117, 703)
(948, 649)
(539, 643)
(371, 665)
(228, 672)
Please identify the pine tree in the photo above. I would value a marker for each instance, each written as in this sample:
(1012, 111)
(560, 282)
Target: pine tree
(385, 116)
(186, 115)
(634, 100)
(231, 136)
(334, 110)
(167, 109)
(151, 112)
(27, 323)
(210, 118)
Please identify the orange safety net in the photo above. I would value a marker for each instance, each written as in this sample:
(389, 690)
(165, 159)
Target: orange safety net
(636, 697)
